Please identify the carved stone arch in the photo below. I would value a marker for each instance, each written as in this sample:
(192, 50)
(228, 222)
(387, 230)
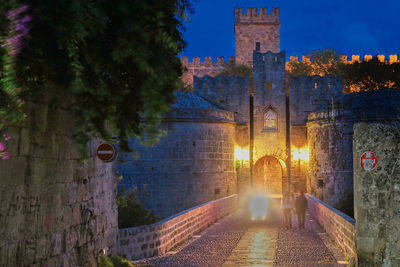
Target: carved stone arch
(270, 119)
(270, 175)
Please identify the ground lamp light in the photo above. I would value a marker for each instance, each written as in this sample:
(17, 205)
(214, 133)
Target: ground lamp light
(241, 154)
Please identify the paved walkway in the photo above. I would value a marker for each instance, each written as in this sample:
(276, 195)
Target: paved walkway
(237, 241)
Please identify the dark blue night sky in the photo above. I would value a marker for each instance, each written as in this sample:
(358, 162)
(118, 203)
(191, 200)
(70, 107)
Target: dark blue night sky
(352, 27)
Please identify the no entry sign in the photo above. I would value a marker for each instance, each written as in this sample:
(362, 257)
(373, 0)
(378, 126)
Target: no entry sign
(106, 152)
(368, 161)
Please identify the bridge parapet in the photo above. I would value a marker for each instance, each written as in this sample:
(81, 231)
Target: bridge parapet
(158, 238)
(338, 225)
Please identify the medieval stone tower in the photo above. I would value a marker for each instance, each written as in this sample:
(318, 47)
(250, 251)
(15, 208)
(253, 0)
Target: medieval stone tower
(256, 30)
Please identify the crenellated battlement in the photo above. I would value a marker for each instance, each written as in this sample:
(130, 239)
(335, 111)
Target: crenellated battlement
(354, 58)
(206, 61)
(201, 67)
(257, 16)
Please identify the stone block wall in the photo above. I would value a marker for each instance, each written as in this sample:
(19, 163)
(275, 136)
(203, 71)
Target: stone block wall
(157, 239)
(191, 165)
(200, 69)
(229, 93)
(377, 195)
(55, 210)
(308, 93)
(256, 27)
(338, 225)
(330, 149)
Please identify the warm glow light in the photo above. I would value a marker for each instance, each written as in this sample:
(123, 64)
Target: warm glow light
(242, 154)
(258, 206)
(300, 154)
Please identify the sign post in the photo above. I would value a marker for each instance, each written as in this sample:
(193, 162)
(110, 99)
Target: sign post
(106, 152)
(368, 161)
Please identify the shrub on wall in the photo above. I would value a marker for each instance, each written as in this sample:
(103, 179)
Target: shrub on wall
(346, 204)
(114, 261)
(130, 212)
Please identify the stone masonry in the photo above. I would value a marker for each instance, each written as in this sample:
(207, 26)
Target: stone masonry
(56, 210)
(256, 30)
(338, 225)
(377, 195)
(158, 238)
(191, 165)
(330, 139)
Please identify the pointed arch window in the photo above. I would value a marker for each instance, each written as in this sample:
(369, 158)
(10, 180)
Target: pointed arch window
(270, 120)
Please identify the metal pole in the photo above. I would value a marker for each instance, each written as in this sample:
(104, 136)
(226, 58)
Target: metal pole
(251, 140)
(251, 83)
(288, 146)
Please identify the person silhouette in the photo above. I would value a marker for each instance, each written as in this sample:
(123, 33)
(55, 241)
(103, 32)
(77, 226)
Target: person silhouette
(301, 207)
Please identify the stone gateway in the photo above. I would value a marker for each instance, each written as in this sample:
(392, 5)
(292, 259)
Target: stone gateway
(196, 161)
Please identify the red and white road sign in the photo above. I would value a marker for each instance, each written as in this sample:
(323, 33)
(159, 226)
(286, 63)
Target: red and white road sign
(368, 161)
(106, 152)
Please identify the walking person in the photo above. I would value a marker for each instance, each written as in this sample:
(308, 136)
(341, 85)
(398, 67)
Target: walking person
(301, 207)
(287, 206)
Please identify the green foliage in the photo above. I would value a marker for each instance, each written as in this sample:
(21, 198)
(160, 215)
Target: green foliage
(371, 75)
(105, 261)
(346, 204)
(238, 70)
(130, 212)
(116, 61)
(322, 62)
(357, 76)
(114, 261)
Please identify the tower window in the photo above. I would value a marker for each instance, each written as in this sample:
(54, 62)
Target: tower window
(257, 46)
(316, 85)
(270, 120)
(268, 86)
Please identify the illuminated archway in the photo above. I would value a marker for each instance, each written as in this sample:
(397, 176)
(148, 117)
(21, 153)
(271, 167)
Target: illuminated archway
(270, 175)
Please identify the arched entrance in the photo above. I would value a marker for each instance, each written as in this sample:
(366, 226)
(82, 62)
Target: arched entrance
(269, 175)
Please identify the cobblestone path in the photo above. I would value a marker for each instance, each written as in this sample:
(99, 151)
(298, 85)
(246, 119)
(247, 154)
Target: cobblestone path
(210, 248)
(237, 241)
(306, 247)
(256, 248)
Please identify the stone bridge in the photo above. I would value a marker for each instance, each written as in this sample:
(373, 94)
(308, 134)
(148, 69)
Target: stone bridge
(222, 233)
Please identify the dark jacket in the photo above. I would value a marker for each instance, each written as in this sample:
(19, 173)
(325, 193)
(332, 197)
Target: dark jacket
(301, 204)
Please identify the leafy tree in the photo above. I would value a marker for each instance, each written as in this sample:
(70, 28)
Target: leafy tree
(321, 62)
(370, 75)
(113, 61)
(357, 76)
(130, 212)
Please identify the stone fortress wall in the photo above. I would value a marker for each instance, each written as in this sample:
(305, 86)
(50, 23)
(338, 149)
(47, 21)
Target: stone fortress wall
(191, 165)
(179, 161)
(330, 139)
(229, 93)
(202, 68)
(55, 210)
(308, 93)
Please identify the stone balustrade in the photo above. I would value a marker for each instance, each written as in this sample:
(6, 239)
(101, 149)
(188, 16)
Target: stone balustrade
(338, 225)
(158, 238)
